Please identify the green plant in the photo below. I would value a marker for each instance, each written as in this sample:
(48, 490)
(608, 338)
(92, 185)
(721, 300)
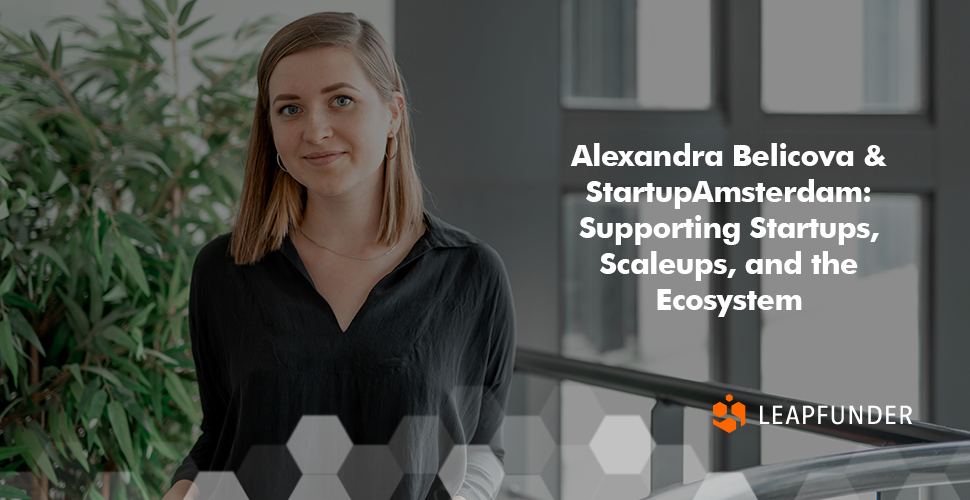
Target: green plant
(111, 178)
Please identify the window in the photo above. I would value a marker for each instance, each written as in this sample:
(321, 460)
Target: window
(841, 56)
(647, 54)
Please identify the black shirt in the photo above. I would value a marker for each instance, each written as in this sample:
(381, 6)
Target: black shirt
(433, 342)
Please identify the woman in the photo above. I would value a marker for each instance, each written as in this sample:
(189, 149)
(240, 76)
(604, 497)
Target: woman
(336, 295)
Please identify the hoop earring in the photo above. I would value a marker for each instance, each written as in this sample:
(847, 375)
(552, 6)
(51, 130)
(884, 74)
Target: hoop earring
(391, 146)
(280, 163)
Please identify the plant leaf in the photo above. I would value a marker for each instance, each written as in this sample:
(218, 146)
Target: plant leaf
(162, 356)
(159, 29)
(8, 491)
(116, 293)
(118, 336)
(37, 454)
(77, 313)
(50, 253)
(132, 227)
(172, 6)
(76, 371)
(186, 11)
(58, 53)
(131, 261)
(30, 127)
(96, 407)
(11, 451)
(206, 41)
(188, 31)
(16, 39)
(22, 327)
(41, 48)
(7, 284)
(181, 397)
(155, 10)
(107, 375)
(8, 351)
(71, 440)
(119, 424)
(59, 180)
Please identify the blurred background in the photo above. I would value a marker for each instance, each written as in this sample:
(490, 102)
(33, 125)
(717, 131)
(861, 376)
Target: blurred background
(502, 93)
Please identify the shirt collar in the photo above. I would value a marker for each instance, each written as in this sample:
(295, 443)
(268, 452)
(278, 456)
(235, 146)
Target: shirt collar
(437, 234)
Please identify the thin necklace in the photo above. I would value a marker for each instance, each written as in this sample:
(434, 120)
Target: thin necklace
(343, 254)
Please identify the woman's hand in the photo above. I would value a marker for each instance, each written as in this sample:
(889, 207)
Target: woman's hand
(182, 490)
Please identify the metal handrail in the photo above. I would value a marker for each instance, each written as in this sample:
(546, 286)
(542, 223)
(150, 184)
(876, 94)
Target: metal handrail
(704, 395)
(836, 475)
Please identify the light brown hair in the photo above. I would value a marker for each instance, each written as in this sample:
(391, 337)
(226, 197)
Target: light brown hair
(273, 202)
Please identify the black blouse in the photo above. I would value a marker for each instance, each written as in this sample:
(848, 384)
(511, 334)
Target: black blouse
(432, 347)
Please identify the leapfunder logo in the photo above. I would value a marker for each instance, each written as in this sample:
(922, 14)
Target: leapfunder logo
(730, 423)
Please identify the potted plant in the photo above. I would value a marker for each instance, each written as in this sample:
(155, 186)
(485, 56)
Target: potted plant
(112, 176)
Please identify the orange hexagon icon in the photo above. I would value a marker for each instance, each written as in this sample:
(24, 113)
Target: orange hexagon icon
(729, 424)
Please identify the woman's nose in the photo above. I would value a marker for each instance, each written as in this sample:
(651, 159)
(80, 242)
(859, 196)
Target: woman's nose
(318, 127)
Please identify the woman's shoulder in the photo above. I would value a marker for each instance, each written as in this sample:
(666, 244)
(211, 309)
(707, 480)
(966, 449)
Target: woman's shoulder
(214, 257)
(471, 247)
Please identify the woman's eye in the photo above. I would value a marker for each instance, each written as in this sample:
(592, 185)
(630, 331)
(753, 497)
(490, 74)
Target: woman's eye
(289, 110)
(341, 101)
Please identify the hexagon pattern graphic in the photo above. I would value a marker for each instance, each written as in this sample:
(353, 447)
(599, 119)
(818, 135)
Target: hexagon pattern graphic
(317, 487)
(268, 472)
(319, 444)
(370, 472)
(581, 472)
(452, 472)
(417, 433)
(528, 486)
(219, 486)
(581, 414)
(725, 485)
(528, 444)
(821, 483)
(622, 444)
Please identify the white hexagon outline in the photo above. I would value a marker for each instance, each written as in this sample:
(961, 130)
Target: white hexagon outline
(611, 436)
(319, 456)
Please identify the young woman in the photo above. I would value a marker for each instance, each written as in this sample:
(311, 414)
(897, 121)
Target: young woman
(336, 294)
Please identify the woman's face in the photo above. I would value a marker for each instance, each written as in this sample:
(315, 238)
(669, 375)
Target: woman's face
(329, 123)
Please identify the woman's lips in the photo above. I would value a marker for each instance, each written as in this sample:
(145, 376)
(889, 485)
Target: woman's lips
(323, 158)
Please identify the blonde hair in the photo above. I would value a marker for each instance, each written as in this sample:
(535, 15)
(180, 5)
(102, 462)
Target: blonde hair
(272, 202)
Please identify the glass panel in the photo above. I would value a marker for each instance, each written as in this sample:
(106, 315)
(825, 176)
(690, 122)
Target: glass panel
(613, 318)
(674, 54)
(652, 54)
(607, 447)
(856, 339)
(840, 56)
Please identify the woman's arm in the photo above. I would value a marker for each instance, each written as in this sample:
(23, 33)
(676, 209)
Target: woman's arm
(486, 451)
(210, 368)
(182, 490)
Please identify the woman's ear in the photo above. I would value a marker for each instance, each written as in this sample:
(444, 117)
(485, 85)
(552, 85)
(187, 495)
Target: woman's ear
(397, 112)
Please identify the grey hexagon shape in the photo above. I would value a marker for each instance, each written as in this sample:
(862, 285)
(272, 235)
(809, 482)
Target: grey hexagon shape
(421, 436)
(527, 486)
(528, 444)
(581, 471)
(725, 485)
(219, 486)
(582, 413)
(316, 487)
(452, 471)
(370, 472)
(319, 444)
(268, 472)
(622, 444)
